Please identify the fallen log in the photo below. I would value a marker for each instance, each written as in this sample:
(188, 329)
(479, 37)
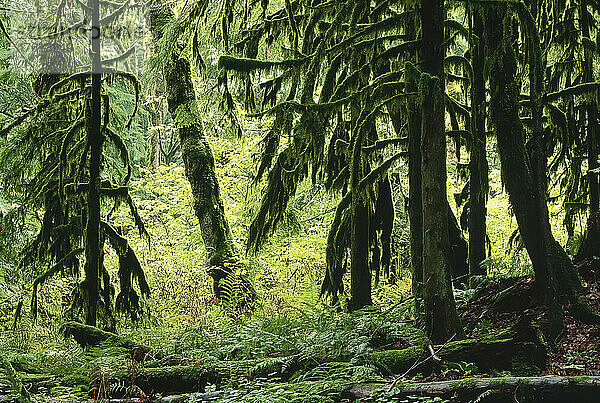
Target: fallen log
(518, 350)
(190, 397)
(169, 380)
(506, 389)
(195, 378)
(10, 384)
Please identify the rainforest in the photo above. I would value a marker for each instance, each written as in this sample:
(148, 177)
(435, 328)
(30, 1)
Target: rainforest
(299, 201)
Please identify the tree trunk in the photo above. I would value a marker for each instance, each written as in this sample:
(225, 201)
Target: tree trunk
(95, 141)
(197, 156)
(478, 165)
(591, 110)
(459, 249)
(415, 201)
(441, 318)
(555, 275)
(360, 276)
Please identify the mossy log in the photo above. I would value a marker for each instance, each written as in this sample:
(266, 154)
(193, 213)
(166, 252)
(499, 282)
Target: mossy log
(37, 384)
(518, 350)
(195, 378)
(10, 383)
(506, 389)
(91, 336)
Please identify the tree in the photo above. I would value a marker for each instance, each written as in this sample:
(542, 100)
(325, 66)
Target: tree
(95, 140)
(478, 165)
(555, 277)
(441, 317)
(221, 256)
(354, 89)
(591, 107)
(57, 148)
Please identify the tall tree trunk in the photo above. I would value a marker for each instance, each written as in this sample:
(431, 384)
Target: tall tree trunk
(95, 141)
(415, 201)
(555, 275)
(538, 170)
(459, 250)
(591, 110)
(197, 156)
(441, 318)
(478, 165)
(360, 275)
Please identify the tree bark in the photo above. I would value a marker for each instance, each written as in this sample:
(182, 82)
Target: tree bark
(95, 141)
(459, 249)
(197, 156)
(415, 201)
(506, 389)
(478, 165)
(441, 318)
(555, 276)
(591, 111)
(360, 275)
(586, 261)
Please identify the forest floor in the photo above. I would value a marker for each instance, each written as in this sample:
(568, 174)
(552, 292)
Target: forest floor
(501, 303)
(321, 355)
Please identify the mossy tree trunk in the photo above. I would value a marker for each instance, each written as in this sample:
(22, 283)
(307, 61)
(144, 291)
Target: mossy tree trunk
(591, 109)
(95, 141)
(441, 318)
(196, 153)
(360, 274)
(459, 249)
(478, 165)
(586, 261)
(555, 276)
(415, 201)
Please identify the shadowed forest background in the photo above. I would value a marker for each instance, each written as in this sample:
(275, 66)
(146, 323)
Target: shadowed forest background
(299, 200)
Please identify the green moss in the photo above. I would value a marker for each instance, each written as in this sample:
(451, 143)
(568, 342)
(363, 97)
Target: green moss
(397, 360)
(499, 381)
(467, 351)
(467, 383)
(70, 381)
(521, 365)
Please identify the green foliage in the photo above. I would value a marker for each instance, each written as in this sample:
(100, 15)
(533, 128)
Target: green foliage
(332, 82)
(462, 369)
(46, 164)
